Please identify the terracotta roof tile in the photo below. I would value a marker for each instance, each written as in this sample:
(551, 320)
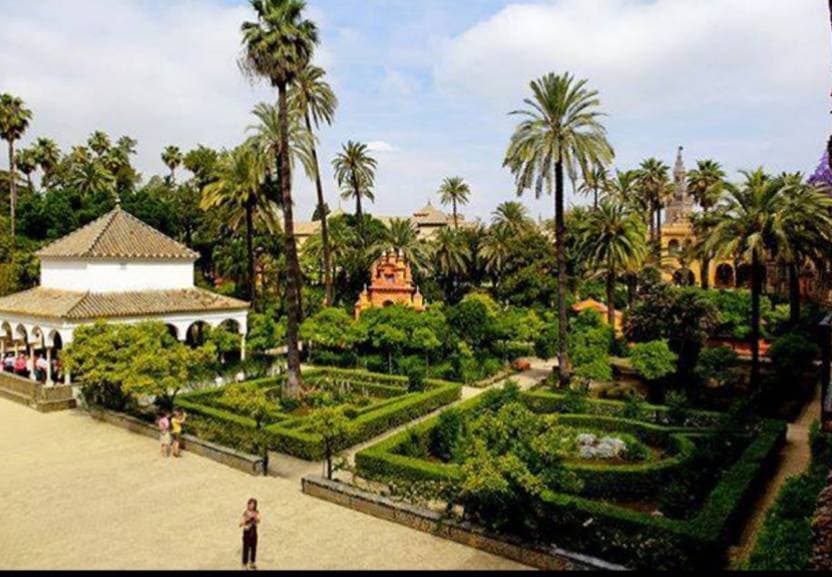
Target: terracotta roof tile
(117, 235)
(77, 306)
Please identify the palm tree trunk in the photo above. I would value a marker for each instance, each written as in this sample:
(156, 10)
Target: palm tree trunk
(706, 273)
(293, 276)
(659, 233)
(756, 292)
(611, 298)
(564, 368)
(12, 192)
(252, 280)
(329, 296)
(794, 294)
(456, 218)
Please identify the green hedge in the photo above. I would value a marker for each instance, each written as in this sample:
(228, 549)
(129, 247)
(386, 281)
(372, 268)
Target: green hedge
(609, 531)
(290, 435)
(785, 539)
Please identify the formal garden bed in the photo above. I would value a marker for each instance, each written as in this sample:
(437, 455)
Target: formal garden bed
(367, 405)
(641, 485)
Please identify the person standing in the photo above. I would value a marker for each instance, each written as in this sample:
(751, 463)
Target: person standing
(251, 518)
(179, 418)
(163, 422)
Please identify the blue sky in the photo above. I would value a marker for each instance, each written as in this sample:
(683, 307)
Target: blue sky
(430, 82)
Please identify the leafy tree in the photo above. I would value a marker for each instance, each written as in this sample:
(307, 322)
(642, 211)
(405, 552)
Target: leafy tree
(561, 132)
(455, 191)
(252, 401)
(278, 46)
(706, 185)
(450, 256)
(389, 339)
(333, 425)
(656, 188)
(425, 340)
(653, 361)
(718, 365)
(331, 328)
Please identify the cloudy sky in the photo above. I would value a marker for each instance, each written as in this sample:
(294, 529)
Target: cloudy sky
(430, 82)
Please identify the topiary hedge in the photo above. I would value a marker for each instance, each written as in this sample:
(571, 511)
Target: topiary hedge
(290, 435)
(612, 532)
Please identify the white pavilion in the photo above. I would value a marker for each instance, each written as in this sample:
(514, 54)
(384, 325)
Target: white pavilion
(118, 269)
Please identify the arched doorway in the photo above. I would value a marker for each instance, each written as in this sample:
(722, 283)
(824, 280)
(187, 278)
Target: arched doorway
(197, 334)
(684, 277)
(724, 276)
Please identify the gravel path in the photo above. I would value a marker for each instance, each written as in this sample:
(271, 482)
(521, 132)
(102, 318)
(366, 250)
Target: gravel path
(79, 494)
(795, 457)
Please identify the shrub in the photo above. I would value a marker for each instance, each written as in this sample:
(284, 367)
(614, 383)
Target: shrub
(792, 354)
(446, 434)
(653, 361)
(717, 365)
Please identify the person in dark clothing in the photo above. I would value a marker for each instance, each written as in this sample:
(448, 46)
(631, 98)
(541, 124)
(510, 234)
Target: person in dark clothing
(251, 518)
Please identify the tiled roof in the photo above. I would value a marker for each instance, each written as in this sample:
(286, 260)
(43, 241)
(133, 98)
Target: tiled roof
(117, 235)
(77, 306)
(430, 215)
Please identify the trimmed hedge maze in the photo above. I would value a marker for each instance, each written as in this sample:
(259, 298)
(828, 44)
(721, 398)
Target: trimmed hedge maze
(386, 404)
(612, 517)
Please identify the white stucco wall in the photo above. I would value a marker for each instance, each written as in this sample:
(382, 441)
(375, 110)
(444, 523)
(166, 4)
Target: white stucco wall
(114, 276)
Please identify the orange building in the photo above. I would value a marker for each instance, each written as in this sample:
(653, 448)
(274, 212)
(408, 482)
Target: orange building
(391, 284)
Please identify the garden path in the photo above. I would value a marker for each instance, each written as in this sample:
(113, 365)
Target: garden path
(76, 493)
(794, 459)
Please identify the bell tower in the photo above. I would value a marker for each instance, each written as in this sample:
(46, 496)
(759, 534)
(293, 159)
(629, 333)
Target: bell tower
(681, 207)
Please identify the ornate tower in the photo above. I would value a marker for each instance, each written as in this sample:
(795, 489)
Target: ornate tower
(681, 207)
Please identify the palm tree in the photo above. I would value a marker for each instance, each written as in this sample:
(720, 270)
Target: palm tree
(748, 228)
(496, 250)
(14, 121)
(655, 188)
(314, 98)
(48, 156)
(610, 240)
(403, 237)
(595, 181)
(278, 46)
(27, 163)
(512, 216)
(450, 255)
(237, 187)
(88, 176)
(266, 136)
(355, 171)
(99, 143)
(173, 158)
(455, 191)
(705, 185)
(561, 131)
(807, 232)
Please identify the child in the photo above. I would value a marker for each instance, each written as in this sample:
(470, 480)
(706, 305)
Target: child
(163, 422)
(251, 518)
(179, 418)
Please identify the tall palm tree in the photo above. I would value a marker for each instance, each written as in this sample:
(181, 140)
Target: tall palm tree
(355, 171)
(48, 156)
(14, 121)
(496, 250)
(610, 240)
(623, 189)
(512, 216)
(656, 188)
(88, 176)
(595, 181)
(705, 185)
(314, 98)
(27, 163)
(173, 158)
(807, 232)
(561, 131)
(237, 187)
(277, 47)
(748, 228)
(455, 191)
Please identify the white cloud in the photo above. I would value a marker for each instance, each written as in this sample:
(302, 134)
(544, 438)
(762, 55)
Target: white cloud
(380, 146)
(648, 57)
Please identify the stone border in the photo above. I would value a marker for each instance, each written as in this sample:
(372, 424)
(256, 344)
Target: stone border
(249, 464)
(35, 395)
(549, 558)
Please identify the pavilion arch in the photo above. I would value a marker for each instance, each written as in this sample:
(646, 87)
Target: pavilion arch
(173, 330)
(21, 335)
(37, 338)
(55, 340)
(197, 333)
(231, 325)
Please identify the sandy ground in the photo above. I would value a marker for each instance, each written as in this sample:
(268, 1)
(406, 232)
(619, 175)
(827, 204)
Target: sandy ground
(79, 494)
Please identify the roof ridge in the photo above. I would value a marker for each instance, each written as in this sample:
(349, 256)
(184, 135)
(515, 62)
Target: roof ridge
(82, 297)
(154, 230)
(110, 216)
(87, 226)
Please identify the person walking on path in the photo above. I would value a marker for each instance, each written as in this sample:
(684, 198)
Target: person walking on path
(163, 422)
(251, 518)
(179, 418)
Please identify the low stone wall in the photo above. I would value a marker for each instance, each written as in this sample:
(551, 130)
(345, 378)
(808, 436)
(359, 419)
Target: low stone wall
(35, 395)
(427, 521)
(241, 461)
